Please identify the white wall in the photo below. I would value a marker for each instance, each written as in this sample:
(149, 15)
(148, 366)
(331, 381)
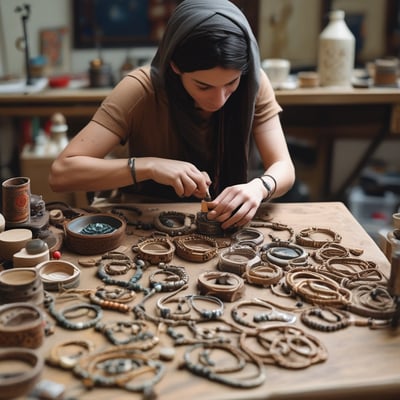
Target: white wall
(49, 14)
(290, 28)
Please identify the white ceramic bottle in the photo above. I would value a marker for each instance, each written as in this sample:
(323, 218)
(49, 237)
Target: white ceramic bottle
(336, 52)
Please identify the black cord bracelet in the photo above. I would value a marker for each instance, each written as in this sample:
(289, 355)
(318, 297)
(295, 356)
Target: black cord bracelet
(275, 184)
(266, 187)
(131, 165)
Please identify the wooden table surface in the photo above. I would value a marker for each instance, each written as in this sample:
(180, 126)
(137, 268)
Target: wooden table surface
(362, 363)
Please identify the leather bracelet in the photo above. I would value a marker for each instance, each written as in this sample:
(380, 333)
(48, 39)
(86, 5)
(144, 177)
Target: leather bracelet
(21, 325)
(15, 384)
(176, 278)
(271, 191)
(317, 288)
(68, 360)
(196, 248)
(238, 260)
(226, 286)
(303, 238)
(175, 223)
(250, 236)
(264, 274)
(284, 254)
(155, 250)
(131, 165)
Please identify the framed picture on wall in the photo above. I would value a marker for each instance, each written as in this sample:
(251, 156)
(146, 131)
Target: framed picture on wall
(120, 23)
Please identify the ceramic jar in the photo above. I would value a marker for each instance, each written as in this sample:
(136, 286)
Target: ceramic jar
(336, 52)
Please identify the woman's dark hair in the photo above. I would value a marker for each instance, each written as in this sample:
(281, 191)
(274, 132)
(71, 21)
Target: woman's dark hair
(207, 50)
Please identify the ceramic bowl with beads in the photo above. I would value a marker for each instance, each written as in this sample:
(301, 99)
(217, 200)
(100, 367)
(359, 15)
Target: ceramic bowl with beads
(94, 233)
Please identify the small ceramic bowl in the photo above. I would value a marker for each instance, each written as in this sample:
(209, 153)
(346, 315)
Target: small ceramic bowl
(277, 70)
(94, 243)
(58, 273)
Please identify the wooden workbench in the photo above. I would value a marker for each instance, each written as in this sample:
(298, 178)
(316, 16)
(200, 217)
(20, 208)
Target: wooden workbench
(362, 363)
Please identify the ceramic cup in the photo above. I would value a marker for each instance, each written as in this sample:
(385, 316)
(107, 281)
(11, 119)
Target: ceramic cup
(396, 220)
(277, 70)
(16, 199)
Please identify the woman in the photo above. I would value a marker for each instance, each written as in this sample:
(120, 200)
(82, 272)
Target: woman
(189, 121)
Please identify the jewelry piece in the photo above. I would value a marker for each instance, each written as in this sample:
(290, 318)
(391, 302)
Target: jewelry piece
(107, 304)
(271, 315)
(66, 359)
(128, 332)
(155, 250)
(175, 223)
(118, 368)
(317, 288)
(181, 311)
(117, 267)
(237, 260)
(117, 294)
(264, 274)
(205, 312)
(61, 316)
(21, 325)
(284, 254)
(122, 212)
(351, 271)
(275, 226)
(131, 284)
(131, 166)
(176, 278)
(226, 286)
(248, 236)
(286, 346)
(326, 319)
(20, 383)
(372, 301)
(196, 248)
(304, 237)
(333, 250)
(208, 368)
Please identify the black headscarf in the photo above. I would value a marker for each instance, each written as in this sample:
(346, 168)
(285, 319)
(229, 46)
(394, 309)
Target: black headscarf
(235, 119)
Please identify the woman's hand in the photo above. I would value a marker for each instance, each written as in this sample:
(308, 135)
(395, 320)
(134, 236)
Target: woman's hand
(183, 176)
(237, 205)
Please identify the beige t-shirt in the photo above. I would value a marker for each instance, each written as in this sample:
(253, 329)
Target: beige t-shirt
(136, 113)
